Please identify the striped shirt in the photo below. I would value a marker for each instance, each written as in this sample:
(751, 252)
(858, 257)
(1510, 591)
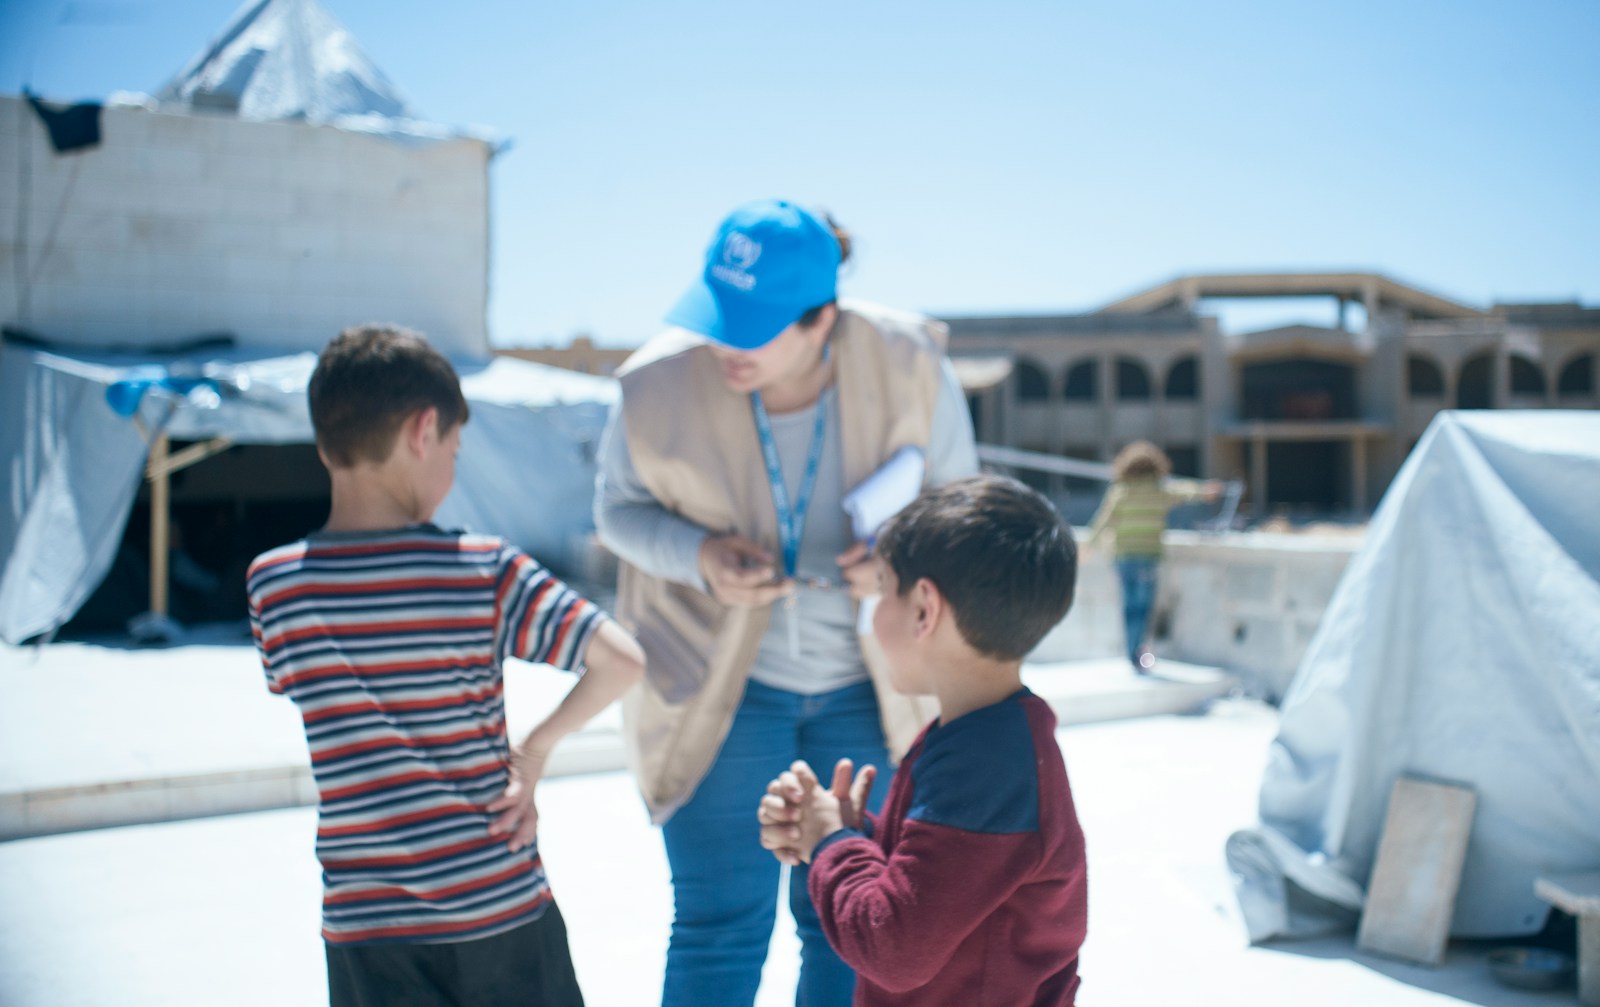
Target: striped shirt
(391, 645)
(1135, 513)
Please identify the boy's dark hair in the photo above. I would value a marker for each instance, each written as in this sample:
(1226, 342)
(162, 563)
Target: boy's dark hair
(998, 552)
(369, 380)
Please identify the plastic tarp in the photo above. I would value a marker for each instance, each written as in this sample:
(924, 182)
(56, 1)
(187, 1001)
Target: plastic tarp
(1462, 645)
(74, 464)
(291, 59)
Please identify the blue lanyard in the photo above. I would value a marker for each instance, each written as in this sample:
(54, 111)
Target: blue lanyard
(791, 522)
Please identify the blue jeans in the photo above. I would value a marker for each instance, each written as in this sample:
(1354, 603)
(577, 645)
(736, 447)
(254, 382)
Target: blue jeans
(725, 886)
(1138, 575)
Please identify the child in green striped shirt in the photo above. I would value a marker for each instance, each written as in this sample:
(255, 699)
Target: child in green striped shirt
(1134, 512)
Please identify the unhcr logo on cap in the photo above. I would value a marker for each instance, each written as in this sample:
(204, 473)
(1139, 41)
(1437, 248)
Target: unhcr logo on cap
(770, 262)
(739, 253)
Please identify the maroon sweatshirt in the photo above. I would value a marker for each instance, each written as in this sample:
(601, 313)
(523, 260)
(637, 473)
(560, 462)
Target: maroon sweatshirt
(971, 889)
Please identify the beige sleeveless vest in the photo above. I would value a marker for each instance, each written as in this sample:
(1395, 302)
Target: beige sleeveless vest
(695, 448)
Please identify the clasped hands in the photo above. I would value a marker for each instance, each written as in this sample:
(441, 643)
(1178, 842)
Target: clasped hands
(798, 812)
(739, 572)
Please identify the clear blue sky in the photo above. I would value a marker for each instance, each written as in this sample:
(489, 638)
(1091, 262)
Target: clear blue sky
(1000, 157)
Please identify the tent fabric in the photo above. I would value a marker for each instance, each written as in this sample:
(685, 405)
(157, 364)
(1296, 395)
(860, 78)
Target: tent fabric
(291, 59)
(527, 465)
(1462, 645)
(72, 471)
(286, 59)
(526, 468)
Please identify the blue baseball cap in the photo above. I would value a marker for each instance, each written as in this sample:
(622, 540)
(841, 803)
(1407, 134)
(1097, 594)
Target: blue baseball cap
(770, 263)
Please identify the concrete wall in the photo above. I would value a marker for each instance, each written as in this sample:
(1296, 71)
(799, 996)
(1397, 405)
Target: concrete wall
(280, 233)
(1245, 602)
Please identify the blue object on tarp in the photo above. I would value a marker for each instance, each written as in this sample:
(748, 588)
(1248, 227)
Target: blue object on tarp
(125, 395)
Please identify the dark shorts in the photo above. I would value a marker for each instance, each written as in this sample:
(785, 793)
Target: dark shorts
(527, 966)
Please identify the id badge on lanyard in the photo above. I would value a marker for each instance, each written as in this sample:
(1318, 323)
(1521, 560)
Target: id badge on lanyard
(791, 519)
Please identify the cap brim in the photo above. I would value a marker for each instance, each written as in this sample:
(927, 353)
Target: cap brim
(732, 322)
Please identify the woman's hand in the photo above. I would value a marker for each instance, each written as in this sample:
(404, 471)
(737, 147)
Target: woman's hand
(859, 568)
(739, 572)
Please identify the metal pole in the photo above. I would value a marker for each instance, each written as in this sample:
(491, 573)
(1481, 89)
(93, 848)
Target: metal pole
(159, 507)
(1258, 473)
(996, 454)
(1358, 472)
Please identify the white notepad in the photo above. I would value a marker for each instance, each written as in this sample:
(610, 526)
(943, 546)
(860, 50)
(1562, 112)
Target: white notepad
(880, 497)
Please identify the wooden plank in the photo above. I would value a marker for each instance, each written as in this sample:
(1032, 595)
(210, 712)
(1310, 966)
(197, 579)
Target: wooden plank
(160, 513)
(1579, 894)
(1412, 894)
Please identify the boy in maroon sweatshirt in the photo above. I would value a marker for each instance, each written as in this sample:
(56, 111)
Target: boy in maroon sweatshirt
(969, 888)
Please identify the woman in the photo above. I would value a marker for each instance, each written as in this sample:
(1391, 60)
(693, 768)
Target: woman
(1134, 513)
(721, 477)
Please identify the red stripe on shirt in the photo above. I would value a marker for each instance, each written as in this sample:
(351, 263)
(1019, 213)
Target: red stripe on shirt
(433, 895)
(436, 929)
(406, 706)
(414, 776)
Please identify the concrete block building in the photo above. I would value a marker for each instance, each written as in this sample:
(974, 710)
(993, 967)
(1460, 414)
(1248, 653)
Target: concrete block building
(1312, 418)
(280, 233)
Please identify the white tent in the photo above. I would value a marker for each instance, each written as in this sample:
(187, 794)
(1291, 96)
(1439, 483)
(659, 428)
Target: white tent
(526, 469)
(1463, 644)
(285, 59)
(291, 59)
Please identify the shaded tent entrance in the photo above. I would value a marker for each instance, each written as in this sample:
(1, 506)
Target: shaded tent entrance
(526, 469)
(220, 511)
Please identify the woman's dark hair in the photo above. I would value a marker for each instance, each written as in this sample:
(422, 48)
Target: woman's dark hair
(1140, 460)
(811, 315)
(369, 379)
(999, 554)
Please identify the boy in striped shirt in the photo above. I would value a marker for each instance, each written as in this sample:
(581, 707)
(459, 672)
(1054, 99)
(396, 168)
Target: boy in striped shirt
(389, 634)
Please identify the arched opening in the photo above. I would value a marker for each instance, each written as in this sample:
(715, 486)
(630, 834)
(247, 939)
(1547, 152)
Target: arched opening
(1183, 380)
(1083, 381)
(1576, 379)
(1133, 380)
(1526, 378)
(1424, 378)
(1033, 384)
(1475, 389)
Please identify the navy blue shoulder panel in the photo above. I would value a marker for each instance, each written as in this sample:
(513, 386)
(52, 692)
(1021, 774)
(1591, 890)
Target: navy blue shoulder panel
(979, 773)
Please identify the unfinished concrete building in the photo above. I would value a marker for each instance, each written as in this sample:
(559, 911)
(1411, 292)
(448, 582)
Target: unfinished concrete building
(1314, 419)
